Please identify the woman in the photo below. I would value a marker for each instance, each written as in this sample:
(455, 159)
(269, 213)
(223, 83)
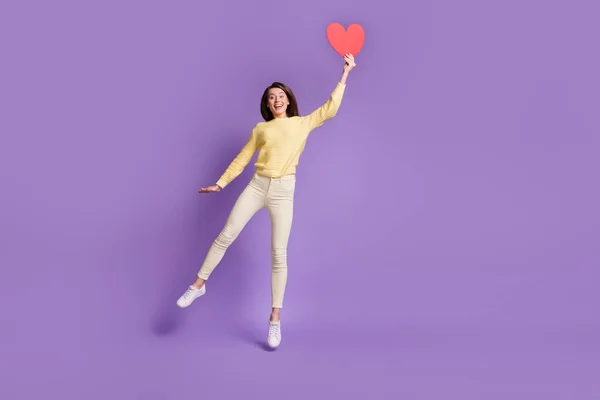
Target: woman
(280, 141)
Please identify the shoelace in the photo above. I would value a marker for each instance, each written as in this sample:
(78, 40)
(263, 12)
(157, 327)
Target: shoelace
(188, 293)
(274, 330)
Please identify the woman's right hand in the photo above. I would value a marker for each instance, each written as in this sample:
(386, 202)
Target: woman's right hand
(210, 189)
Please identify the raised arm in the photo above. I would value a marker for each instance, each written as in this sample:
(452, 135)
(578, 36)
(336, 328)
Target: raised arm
(237, 165)
(330, 108)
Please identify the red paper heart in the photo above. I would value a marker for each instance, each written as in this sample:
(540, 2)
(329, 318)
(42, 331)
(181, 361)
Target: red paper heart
(346, 41)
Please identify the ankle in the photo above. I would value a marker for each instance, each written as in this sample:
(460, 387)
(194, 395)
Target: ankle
(198, 284)
(275, 316)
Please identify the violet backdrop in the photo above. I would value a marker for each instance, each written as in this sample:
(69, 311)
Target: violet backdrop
(445, 241)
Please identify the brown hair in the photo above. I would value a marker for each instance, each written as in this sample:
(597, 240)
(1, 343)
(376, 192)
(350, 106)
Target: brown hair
(292, 108)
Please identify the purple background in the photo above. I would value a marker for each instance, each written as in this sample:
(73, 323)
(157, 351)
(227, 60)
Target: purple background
(445, 244)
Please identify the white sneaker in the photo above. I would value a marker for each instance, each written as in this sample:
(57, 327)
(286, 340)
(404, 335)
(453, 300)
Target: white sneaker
(190, 295)
(274, 334)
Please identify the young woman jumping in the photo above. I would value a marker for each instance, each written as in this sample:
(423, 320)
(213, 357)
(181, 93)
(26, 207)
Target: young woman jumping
(280, 141)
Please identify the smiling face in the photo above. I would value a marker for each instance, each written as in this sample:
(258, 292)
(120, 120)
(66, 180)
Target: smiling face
(277, 101)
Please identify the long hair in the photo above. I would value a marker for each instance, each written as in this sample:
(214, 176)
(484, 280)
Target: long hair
(292, 108)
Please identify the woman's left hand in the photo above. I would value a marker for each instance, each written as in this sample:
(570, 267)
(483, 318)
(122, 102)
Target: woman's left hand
(350, 64)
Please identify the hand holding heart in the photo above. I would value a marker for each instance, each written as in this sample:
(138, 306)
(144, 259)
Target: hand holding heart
(347, 43)
(350, 64)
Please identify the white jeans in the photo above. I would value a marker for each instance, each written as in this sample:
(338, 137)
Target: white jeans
(277, 195)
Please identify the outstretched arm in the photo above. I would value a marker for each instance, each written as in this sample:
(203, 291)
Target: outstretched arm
(330, 108)
(237, 165)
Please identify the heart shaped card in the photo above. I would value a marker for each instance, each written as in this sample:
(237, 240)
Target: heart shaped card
(346, 41)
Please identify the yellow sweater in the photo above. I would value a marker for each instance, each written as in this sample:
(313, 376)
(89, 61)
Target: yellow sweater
(280, 142)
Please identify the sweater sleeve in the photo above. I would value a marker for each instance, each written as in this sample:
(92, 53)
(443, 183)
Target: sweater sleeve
(240, 161)
(327, 110)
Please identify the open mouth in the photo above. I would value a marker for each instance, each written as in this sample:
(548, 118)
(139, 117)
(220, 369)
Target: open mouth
(278, 106)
